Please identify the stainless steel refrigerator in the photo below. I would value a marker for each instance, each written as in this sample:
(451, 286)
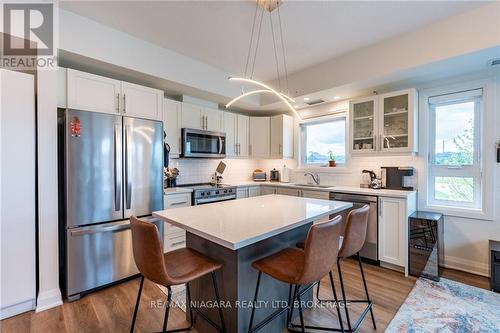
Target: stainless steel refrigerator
(110, 168)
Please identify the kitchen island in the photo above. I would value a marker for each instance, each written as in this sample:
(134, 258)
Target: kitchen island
(236, 233)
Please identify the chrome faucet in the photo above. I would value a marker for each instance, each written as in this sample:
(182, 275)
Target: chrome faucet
(314, 176)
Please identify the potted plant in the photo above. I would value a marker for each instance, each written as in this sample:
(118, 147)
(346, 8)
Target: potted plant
(331, 159)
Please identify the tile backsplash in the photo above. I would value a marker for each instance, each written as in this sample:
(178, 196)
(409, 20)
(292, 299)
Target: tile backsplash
(201, 170)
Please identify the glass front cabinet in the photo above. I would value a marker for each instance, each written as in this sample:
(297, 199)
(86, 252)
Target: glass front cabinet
(384, 123)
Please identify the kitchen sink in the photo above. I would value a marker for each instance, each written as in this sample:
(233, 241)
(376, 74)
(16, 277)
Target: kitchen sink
(313, 185)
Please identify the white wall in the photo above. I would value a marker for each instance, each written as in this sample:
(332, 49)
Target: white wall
(49, 294)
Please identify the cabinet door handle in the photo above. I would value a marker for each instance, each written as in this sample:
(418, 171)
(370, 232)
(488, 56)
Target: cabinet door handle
(381, 143)
(178, 243)
(375, 147)
(206, 122)
(178, 203)
(280, 148)
(250, 150)
(124, 104)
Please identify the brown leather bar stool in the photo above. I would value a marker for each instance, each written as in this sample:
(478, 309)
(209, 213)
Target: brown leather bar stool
(301, 267)
(352, 242)
(172, 268)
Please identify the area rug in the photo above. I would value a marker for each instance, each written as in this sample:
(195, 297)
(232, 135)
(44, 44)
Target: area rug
(445, 307)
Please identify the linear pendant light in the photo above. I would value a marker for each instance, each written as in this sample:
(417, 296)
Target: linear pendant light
(270, 6)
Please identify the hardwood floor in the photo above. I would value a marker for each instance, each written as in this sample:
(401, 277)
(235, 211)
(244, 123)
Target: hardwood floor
(110, 310)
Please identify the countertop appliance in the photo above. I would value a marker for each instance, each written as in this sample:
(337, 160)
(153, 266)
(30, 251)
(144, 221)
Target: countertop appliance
(201, 143)
(425, 244)
(375, 183)
(208, 193)
(110, 168)
(274, 175)
(393, 177)
(370, 249)
(259, 175)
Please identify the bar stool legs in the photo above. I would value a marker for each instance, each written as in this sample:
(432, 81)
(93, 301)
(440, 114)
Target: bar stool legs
(137, 305)
(221, 329)
(366, 292)
(368, 300)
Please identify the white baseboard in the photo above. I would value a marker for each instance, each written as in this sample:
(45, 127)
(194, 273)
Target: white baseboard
(16, 309)
(466, 265)
(48, 299)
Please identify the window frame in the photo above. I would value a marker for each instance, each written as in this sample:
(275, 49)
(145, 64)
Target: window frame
(488, 136)
(473, 171)
(321, 167)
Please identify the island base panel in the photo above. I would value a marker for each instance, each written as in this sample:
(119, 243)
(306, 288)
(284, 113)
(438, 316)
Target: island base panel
(237, 280)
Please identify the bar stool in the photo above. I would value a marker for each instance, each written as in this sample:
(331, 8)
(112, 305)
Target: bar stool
(352, 242)
(172, 268)
(301, 267)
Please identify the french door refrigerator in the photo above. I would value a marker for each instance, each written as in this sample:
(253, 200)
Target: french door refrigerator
(110, 168)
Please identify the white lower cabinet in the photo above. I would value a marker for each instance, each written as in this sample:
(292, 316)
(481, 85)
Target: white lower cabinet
(241, 192)
(393, 229)
(254, 191)
(289, 191)
(247, 192)
(268, 190)
(174, 237)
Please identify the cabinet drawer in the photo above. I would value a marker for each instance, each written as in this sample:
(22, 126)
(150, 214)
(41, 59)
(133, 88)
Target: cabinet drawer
(176, 201)
(173, 231)
(175, 243)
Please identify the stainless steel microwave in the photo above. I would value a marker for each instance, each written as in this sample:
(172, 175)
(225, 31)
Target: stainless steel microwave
(201, 143)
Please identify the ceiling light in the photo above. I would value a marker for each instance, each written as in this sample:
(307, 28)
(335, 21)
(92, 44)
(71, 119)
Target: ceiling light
(270, 6)
(336, 97)
(295, 106)
(306, 99)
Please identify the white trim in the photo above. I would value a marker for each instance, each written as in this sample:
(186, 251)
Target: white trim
(488, 85)
(16, 309)
(341, 168)
(48, 299)
(465, 265)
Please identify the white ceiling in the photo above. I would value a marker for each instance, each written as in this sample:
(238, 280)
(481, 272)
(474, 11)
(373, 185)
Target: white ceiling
(217, 32)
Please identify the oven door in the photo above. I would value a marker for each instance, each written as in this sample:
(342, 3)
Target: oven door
(204, 201)
(206, 144)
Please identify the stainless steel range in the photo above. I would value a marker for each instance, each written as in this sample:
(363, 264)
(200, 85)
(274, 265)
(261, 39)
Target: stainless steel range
(207, 193)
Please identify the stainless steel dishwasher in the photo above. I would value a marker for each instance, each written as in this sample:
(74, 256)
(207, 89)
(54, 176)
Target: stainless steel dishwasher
(370, 249)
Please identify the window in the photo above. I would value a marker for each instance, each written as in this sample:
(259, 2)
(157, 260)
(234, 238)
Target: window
(455, 146)
(321, 139)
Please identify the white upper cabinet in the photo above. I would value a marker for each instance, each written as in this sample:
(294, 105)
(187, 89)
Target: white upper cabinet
(172, 126)
(384, 123)
(142, 102)
(282, 136)
(213, 119)
(192, 116)
(260, 137)
(236, 129)
(398, 121)
(230, 128)
(363, 125)
(243, 135)
(199, 117)
(91, 92)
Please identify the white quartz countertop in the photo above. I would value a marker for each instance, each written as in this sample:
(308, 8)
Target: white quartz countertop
(333, 188)
(238, 223)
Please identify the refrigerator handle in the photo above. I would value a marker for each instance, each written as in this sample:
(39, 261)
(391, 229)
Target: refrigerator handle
(117, 168)
(220, 145)
(128, 182)
(98, 229)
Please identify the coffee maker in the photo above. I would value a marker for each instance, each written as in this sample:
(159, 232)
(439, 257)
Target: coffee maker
(393, 177)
